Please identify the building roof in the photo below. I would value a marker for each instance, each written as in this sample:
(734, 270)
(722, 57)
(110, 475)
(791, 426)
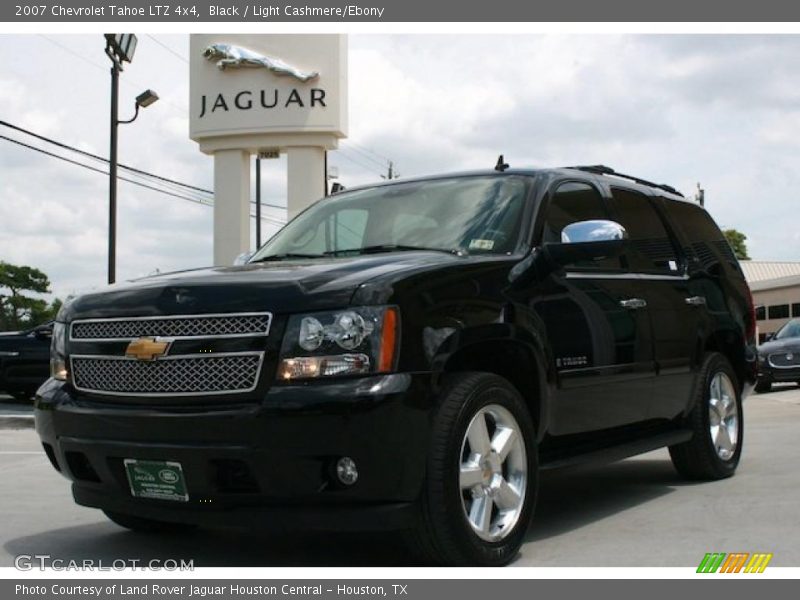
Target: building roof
(763, 274)
(761, 270)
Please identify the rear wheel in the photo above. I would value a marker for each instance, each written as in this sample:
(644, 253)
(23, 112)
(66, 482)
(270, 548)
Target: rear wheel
(481, 477)
(717, 421)
(147, 525)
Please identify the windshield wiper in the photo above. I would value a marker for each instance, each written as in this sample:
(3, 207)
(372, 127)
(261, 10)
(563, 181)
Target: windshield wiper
(378, 248)
(286, 255)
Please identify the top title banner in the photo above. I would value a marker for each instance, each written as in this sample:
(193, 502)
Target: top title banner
(398, 11)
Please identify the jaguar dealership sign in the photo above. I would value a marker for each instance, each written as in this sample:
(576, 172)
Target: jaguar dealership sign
(265, 95)
(260, 84)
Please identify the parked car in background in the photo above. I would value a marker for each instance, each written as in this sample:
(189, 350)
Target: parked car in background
(25, 360)
(779, 357)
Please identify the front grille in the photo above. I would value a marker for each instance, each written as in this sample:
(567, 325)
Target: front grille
(782, 360)
(176, 327)
(170, 376)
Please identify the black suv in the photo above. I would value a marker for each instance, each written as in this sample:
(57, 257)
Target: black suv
(409, 356)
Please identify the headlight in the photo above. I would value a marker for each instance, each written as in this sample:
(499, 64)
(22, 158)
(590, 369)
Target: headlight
(58, 352)
(345, 342)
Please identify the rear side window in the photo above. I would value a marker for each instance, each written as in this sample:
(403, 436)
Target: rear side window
(570, 203)
(650, 248)
(705, 240)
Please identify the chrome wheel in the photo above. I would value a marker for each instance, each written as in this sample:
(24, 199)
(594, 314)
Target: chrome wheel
(723, 416)
(493, 472)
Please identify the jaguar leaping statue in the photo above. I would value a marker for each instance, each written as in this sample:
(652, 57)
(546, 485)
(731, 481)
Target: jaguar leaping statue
(230, 56)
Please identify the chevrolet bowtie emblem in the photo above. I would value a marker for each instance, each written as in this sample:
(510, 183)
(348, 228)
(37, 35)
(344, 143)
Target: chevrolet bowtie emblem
(148, 348)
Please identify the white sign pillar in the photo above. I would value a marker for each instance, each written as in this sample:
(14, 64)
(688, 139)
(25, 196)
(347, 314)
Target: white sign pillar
(265, 93)
(231, 205)
(306, 171)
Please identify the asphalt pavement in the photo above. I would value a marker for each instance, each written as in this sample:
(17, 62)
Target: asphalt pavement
(636, 512)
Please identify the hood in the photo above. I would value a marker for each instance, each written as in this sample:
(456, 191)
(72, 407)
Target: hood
(279, 287)
(789, 344)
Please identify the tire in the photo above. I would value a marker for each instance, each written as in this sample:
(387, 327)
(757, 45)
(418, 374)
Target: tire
(705, 457)
(444, 533)
(763, 386)
(143, 525)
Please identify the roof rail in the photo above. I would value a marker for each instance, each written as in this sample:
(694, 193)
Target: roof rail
(604, 170)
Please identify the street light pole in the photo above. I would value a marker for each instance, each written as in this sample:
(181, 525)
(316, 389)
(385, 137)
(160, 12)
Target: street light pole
(112, 175)
(120, 48)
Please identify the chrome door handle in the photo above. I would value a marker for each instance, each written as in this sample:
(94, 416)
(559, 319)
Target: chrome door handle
(696, 301)
(633, 303)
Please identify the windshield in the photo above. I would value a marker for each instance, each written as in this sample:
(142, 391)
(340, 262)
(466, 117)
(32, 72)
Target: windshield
(459, 215)
(790, 330)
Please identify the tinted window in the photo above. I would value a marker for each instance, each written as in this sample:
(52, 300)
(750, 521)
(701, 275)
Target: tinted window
(705, 240)
(790, 330)
(649, 248)
(573, 202)
(779, 311)
(474, 214)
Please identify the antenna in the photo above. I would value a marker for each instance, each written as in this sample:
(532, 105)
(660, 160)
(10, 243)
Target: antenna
(501, 165)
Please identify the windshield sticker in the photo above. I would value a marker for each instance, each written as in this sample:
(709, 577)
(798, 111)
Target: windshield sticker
(481, 244)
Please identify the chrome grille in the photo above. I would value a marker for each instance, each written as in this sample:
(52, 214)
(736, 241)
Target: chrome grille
(226, 373)
(176, 327)
(781, 360)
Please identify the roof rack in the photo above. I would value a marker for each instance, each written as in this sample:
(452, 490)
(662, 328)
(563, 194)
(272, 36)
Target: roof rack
(604, 170)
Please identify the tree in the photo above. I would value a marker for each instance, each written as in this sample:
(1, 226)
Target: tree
(738, 242)
(18, 310)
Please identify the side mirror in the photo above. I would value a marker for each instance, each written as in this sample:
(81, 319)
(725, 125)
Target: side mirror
(242, 259)
(588, 240)
(44, 333)
(769, 336)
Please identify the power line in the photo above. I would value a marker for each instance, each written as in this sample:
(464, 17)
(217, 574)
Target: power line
(160, 190)
(127, 82)
(104, 160)
(380, 163)
(101, 171)
(358, 162)
(168, 49)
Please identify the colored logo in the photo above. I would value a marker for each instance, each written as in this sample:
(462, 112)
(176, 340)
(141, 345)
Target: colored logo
(147, 348)
(735, 562)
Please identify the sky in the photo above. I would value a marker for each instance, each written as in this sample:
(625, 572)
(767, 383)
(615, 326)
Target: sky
(679, 109)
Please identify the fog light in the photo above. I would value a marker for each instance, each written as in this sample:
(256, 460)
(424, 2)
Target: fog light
(346, 470)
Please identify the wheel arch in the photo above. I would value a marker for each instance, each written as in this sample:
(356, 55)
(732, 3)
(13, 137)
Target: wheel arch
(521, 364)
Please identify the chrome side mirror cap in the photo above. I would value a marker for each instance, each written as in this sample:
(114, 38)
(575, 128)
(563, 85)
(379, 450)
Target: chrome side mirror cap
(599, 230)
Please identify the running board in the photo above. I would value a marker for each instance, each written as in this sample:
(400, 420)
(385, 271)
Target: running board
(621, 451)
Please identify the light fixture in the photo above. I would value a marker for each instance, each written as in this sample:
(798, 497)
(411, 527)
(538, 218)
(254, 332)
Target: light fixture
(122, 45)
(146, 98)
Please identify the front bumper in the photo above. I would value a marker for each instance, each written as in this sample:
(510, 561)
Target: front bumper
(254, 464)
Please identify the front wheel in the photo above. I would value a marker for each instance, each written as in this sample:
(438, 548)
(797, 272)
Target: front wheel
(717, 421)
(482, 478)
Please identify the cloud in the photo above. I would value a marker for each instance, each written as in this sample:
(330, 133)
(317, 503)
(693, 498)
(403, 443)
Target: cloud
(721, 110)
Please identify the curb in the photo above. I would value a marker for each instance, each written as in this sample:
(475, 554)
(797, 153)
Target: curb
(16, 422)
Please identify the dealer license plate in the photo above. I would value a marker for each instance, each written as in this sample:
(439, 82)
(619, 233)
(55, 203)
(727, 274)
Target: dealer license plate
(162, 480)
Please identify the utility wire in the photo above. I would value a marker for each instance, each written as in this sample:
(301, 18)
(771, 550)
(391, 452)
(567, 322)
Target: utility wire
(160, 190)
(380, 163)
(125, 81)
(168, 49)
(104, 160)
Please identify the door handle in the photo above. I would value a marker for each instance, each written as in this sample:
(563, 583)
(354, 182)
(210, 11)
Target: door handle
(696, 301)
(633, 303)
